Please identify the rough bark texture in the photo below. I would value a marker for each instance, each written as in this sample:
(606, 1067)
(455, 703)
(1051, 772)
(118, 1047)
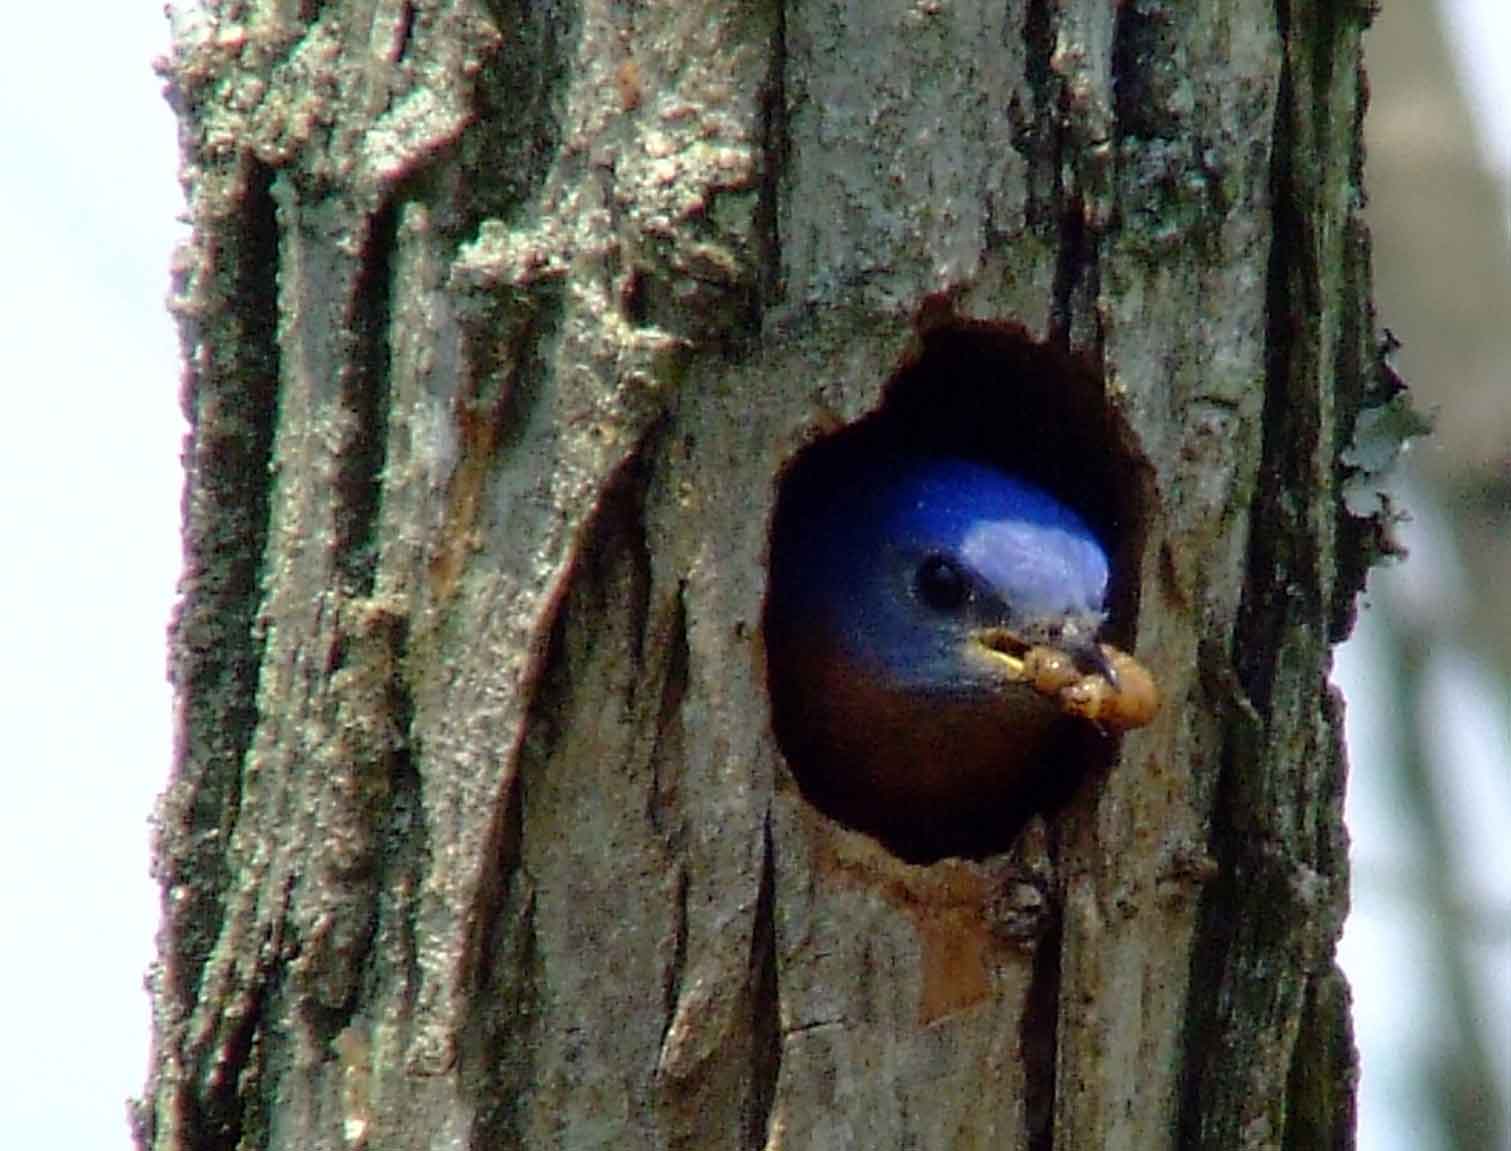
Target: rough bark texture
(501, 321)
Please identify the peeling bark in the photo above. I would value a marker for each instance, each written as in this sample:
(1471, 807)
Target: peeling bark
(501, 321)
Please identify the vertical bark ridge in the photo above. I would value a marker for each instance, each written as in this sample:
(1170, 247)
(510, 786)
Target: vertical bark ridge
(1280, 901)
(228, 322)
(228, 313)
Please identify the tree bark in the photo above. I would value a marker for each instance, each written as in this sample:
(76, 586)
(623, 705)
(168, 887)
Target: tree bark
(501, 321)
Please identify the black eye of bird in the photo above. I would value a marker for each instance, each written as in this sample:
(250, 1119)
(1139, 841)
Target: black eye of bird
(940, 584)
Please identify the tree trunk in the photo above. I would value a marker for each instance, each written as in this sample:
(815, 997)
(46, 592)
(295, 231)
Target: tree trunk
(502, 320)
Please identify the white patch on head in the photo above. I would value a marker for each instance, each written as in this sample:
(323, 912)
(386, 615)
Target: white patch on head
(1038, 569)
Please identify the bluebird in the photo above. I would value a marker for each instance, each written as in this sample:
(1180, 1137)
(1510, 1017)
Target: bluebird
(904, 598)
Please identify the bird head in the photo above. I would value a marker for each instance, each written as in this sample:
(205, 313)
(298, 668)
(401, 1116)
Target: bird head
(903, 597)
(935, 574)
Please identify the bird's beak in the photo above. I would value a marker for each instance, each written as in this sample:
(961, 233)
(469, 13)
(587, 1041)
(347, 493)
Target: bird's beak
(1081, 677)
(1092, 657)
(1008, 649)
(1004, 648)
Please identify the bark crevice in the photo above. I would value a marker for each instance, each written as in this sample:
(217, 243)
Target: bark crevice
(514, 138)
(1038, 1037)
(765, 1007)
(365, 396)
(775, 143)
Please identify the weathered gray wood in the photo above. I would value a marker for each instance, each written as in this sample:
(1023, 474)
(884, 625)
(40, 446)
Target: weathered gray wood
(501, 320)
